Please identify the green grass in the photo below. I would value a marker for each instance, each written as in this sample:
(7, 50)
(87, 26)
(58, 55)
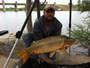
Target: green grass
(63, 7)
(66, 7)
(13, 9)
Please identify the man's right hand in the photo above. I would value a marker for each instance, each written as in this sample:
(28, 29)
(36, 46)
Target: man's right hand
(37, 52)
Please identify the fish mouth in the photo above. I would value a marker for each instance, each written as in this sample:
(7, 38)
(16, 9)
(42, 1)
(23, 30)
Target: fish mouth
(68, 45)
(75, 42)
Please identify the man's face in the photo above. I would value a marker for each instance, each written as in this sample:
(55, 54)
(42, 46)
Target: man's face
(49, 14)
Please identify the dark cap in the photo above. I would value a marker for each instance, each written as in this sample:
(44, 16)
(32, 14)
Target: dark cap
(49, 8)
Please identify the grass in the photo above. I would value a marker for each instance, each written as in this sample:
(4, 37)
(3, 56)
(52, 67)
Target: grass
(63, 8)
(13, 9)
(66, 7)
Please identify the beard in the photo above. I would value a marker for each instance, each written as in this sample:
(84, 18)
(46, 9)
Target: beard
(48, 20)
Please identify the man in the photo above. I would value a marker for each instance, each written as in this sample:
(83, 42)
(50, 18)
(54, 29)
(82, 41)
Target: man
(47, 25)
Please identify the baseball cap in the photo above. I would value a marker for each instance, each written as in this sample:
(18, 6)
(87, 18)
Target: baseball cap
(49, 8)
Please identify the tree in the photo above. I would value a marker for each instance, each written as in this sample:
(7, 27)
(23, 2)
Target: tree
(82, 33)
(29, 24)
(79, 1)
(28, 6)
(84, 5)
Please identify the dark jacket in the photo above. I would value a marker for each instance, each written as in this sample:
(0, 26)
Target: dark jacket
(40, 30)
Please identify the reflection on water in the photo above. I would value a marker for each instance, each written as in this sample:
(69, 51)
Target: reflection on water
(13, 21)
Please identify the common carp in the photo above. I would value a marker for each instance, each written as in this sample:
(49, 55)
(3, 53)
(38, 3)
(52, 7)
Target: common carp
(49, 44)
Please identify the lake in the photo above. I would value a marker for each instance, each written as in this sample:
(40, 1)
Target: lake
(13, 21)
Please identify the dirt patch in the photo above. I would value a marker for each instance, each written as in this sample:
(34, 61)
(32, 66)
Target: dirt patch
(10, 64)
(6, 43)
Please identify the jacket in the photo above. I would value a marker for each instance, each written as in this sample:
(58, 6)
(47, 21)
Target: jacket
(41, 32)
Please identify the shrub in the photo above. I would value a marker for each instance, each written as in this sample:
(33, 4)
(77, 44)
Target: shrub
(82, 33)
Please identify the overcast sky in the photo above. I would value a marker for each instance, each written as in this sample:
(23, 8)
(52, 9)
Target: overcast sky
(49, 1)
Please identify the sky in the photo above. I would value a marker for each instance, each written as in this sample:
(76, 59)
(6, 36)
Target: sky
(49, 1)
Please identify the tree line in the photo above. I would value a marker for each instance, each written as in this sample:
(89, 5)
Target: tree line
(84, 5)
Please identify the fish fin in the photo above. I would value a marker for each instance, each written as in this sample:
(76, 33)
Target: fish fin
(62, 51)
(25, 58)
(33, 43)
(52, 53)
(21, 52)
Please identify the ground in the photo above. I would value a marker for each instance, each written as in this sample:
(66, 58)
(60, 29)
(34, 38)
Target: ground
(7, 41)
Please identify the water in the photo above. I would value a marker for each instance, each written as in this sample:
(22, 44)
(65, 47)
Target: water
(13, 21)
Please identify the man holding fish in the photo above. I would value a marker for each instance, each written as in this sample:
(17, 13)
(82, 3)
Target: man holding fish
(47, 25)
(46, 36)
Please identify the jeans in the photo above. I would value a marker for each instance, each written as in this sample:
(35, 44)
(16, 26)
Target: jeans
(28, 39)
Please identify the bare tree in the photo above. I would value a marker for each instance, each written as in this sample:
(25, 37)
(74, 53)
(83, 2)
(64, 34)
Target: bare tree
(29, 24)
(3, 2)
(79, 2)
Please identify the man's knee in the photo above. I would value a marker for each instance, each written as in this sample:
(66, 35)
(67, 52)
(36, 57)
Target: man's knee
(28, 38)
(27, 35)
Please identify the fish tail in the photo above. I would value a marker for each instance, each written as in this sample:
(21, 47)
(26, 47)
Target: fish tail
(21, 52)
(24, 54)
(25, 58)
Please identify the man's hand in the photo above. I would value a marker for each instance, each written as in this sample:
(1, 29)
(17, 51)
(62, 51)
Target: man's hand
(37, 52)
